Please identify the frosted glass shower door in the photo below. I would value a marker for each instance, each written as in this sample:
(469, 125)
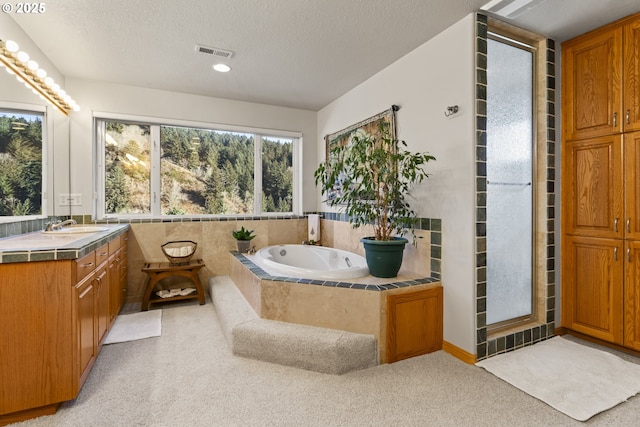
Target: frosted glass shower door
(509, 182)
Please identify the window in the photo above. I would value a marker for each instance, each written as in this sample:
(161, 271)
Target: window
(22, 147)
(193, 170)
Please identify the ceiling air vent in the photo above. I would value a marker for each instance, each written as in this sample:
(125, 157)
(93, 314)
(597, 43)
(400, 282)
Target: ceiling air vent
(221, 53)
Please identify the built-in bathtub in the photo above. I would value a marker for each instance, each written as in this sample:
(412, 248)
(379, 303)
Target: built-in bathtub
(310, 262)
(355, 305)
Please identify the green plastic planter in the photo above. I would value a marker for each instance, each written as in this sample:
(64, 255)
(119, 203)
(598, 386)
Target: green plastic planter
(384, 257)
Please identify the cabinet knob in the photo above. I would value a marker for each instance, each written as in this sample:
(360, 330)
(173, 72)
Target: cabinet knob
(615, 253)
(615, 120)
(628, 254)
(627, 115)
(615, 225)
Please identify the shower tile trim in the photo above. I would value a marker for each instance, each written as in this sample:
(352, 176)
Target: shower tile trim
(485, 346)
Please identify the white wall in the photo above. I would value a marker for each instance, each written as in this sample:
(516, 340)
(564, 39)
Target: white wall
(93, 96)
(438, 74)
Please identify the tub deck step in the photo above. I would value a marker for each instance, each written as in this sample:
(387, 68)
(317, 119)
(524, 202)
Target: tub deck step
(308, 347)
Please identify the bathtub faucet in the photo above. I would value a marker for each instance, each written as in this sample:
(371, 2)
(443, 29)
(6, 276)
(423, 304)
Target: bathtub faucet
(251, 250)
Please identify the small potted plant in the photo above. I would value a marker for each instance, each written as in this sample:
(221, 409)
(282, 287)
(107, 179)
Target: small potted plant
(370, 178)
(243, 238)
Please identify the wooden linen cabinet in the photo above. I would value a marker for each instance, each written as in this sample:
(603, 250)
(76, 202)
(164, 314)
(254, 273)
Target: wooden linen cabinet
(601, 183)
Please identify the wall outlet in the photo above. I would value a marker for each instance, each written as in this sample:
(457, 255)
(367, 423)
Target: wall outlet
(70, 199)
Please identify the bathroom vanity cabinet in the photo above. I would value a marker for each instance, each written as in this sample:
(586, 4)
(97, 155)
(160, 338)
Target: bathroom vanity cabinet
(54, 316)
(601, 183)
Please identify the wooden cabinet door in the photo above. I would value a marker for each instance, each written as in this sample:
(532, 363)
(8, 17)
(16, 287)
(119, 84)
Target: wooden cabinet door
(36, 335)
(414, 323)
(593, 187)
(591, 84)
(124, 270)
(101, 283)
(632, 185)
(85, 294)
(631, 76)
(632, 295)
(592, 282)
(115, 290)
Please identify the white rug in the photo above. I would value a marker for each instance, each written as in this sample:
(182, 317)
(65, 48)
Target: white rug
(131, 327)
(577, 380)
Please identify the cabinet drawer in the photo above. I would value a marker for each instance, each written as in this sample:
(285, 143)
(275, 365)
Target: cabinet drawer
(85, 265)
(114, 245)
(102, 253)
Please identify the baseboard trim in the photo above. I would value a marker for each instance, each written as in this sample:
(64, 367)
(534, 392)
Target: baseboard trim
(601, 342)
(27, 414)
(459, 353)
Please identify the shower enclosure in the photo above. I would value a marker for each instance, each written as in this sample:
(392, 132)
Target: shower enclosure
(510, 181)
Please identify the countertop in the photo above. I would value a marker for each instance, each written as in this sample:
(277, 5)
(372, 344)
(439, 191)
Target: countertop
(38, 246)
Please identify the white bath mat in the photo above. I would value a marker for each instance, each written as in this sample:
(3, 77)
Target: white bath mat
(577, 380)
(131, 327)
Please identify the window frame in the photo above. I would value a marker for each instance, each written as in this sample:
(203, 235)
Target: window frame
(47, 155)
(99, 119)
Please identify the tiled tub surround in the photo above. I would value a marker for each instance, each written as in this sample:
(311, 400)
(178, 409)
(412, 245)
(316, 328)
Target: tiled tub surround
(422, 258)
(214, 239)
(359, 305)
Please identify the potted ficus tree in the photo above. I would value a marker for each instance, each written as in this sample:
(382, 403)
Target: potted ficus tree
(243, 238)
(370, 177)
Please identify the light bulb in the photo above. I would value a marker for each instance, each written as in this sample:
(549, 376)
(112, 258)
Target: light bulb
(48, 81)
(41, 73)
(33, 65)
(11, 46)
(55, 87)
(23, 56)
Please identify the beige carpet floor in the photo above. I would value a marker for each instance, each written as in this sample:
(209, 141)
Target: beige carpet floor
(188, 377)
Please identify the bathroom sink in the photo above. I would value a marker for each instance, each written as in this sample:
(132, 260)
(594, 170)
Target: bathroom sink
(77, 229)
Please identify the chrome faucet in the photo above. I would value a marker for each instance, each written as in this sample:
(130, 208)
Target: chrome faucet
(58, 226)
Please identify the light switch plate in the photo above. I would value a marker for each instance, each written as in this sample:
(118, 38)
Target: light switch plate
(70, 199)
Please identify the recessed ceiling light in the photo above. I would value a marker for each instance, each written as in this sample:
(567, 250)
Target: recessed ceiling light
(223, 68)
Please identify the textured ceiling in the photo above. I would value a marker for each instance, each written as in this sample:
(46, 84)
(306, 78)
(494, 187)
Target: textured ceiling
(292, 53)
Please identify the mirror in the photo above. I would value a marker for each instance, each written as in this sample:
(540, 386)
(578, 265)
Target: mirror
(15, 95)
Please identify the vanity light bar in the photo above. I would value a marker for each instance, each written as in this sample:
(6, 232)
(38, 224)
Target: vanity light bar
(34, 78)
